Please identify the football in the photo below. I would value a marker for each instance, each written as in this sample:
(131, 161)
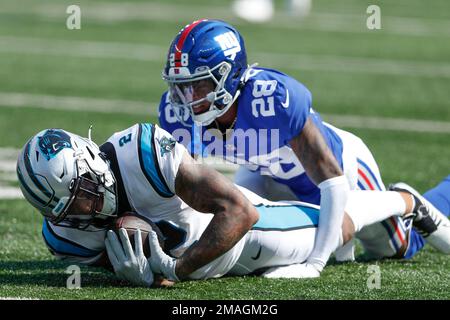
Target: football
(130, 221)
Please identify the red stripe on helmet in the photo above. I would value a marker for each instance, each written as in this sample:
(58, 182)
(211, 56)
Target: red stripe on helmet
(182, 39)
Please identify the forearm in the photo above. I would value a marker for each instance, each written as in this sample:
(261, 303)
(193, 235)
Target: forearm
(206, 190)
(323, 169)
(334, 194)
(314, 154)
(220, 236)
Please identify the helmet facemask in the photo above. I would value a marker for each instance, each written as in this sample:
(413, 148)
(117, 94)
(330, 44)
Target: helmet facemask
(182, 88)
(92, 199)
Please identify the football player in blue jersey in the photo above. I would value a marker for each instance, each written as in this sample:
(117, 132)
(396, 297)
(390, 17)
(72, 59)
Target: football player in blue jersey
(263, 119)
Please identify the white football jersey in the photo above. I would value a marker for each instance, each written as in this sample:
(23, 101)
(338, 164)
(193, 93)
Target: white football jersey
(145, 161)
(284, 234)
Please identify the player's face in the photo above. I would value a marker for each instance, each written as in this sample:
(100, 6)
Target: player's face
(194, 93)
(85, 204)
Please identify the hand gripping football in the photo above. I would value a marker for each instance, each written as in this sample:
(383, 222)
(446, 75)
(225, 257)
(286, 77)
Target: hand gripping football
(130, 221)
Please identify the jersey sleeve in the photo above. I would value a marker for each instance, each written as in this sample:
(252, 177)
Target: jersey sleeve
(277, 101)
(73, 245)
(169, 155)
(297, 111)
(166, 115)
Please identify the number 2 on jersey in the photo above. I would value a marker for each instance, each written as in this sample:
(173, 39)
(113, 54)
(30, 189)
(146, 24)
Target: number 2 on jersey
(125, 139)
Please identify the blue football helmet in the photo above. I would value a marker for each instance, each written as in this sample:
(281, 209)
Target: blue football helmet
(205, 51)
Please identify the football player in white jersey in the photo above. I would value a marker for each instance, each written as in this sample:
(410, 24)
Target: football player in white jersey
(213, 228)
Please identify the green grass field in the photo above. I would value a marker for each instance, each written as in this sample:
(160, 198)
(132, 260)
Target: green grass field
(109, 74)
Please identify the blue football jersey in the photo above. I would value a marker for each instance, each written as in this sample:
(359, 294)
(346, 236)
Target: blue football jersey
(189, 136)
(272, 110)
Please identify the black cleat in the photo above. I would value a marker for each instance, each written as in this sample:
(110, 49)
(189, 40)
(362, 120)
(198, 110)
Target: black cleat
(427, 220)
(425, 217)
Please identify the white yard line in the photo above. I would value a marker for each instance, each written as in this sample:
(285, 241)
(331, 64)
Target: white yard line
(154, 53)
(8, 158)
(5, 167)
(9, 176)
(23, 100)
(82, 48)
(10, 193)
(395, 124)
(8, 154)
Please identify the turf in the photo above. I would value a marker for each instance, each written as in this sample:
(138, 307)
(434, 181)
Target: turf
(27, 270)
(338, 61)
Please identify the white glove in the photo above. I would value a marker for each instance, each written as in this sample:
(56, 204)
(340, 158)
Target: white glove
(128, 265)
(299, 270)
(159, 261)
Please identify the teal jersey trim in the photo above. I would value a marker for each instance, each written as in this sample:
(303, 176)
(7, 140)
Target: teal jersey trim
(286, 218)
(149, 160)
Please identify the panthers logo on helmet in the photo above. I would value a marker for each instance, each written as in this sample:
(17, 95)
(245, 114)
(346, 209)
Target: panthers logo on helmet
(53, 141)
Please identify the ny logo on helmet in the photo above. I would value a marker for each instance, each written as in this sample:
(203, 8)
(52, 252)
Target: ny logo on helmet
(229, 43)
(52, 142)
